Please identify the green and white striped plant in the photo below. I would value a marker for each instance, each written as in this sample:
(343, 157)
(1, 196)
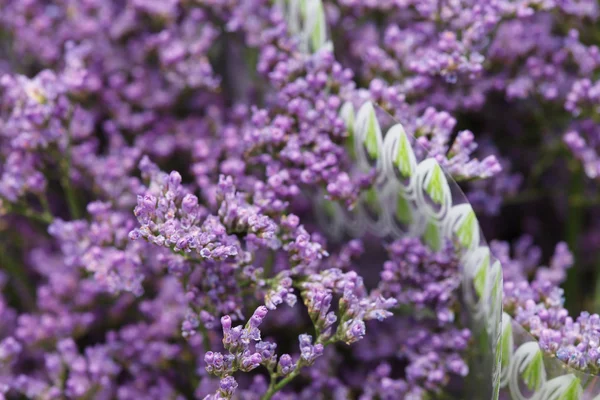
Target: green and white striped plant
(419, 199)
(529, 374)
(306, 21)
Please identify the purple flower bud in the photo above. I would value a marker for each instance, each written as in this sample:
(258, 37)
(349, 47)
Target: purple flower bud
(226, 323)
(257, 318)
(250, 362)
(353, 331)
(174, 180)
(227, 387)
(189, 203)
(285, 365)
(308, 351)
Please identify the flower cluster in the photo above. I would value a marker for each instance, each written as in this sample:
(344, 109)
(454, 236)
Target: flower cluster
(114, 274)
(355, 305)
(422, 279)
(539, 306)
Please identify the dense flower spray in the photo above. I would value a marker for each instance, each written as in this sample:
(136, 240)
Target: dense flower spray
(163, 164)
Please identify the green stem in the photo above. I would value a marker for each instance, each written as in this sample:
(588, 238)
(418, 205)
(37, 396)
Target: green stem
(573, 232)
(23, 210)
(44, 203)
(276, 387)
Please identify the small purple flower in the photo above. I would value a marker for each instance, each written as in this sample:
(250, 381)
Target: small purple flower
(309, 352)
(285, 365)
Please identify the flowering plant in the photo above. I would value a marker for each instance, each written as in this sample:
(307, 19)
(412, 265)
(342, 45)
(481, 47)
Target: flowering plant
(253, 199)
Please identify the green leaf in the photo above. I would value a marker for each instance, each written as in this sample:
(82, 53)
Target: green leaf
(403, 211)
(496, 393)
(303, 7)
(573, 391)
(329, 208)
(347, 115)
(498, 361)
(403, 155)
(372, 199)
(466, 231)
(481, 276)
(432, 236)
(435, 188)
(371, 137)
(505, 342)
(532, 375)
(318, 32)
(496, 288)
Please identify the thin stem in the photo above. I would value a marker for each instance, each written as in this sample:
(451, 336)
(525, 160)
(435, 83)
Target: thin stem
(44, 203)
(276, 387)
(43, 217)
(271, 388)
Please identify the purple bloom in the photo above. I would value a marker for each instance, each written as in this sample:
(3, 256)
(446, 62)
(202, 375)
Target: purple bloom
(166, 165)
(309, 352)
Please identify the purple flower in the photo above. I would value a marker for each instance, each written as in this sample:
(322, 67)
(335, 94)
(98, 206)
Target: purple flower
(309, 352)
(115, 269)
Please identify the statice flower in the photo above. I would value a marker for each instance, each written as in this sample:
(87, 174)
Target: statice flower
(182, 50)
(280, 291)
(239, 216)
(487, 196)
(21, 175)
(114, 275)
(434, 130)
(237, 341)
(585, 149)
(9, 348)
(34, 110)
(111, 173)
(539, 307)
(380, 384)
(314, 155)
(355, 304)
(64, 303)
(107, 253)
(422, 279)
(355, 307)
(36, 118)
(173, 218)
(438, 357)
